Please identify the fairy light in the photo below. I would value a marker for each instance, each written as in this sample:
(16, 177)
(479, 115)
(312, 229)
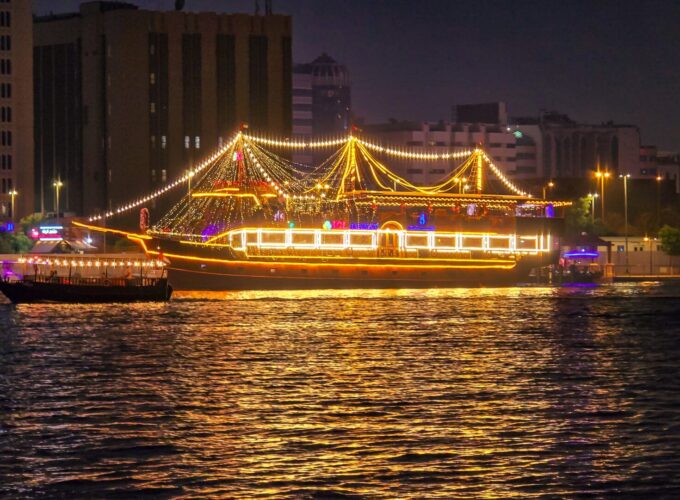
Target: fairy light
(504, 179)
(296, 144)
(412, 155)
(182, 180)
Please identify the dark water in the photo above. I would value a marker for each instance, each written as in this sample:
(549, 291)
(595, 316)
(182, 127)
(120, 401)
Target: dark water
(371, 394)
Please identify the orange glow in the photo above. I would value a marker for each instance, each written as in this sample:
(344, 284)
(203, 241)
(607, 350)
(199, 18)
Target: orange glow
(109, 230)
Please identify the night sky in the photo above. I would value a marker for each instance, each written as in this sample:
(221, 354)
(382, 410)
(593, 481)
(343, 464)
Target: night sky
(593, 60)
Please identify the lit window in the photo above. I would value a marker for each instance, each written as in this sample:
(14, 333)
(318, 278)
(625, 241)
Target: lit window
(164, 175)
(164, 142)
(187, 142)
(197, 142)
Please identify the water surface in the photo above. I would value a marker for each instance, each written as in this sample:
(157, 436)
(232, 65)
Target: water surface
(368, 394)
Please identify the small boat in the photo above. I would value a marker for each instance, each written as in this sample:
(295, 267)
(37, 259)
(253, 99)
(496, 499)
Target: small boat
(85, 290)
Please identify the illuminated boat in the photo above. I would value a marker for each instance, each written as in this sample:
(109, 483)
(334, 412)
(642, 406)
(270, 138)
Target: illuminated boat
(71, 280)
(256, 220)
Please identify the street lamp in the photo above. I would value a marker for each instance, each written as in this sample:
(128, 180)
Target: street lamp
(651, 268)
(625, 214)
(602, 176)
(592, 197)
(549, 185)
(13, 193)
(57, 186)
(190, 174)
(658, 201)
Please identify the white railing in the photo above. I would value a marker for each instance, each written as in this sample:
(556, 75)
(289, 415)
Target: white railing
(255, 239)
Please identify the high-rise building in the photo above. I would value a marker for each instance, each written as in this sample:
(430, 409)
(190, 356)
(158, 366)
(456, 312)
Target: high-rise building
(16, 109)
(321, 100)
(127, 99)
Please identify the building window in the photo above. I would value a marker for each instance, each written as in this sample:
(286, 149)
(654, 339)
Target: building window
(6, 138)
(5, 114)
(164, 175)
(5, 90)
(5, 19)
(152, 107)
(164, 141)
(6, 162)
(152, 78)
(6, 186)
(5, 42)
(197, 142)
(5, 66)
(187, 142)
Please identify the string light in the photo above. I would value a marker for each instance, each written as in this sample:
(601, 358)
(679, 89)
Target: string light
(296, 144)
(413, 155)
(182, 180)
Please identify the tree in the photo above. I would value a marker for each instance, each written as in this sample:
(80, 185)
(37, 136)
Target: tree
(29, 221)
(577, 217)
(670, 240)
(14, 242)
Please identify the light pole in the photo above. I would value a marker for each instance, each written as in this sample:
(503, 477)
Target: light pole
(625, 215)
(658, 202)
(549, 185)
(57, 186)
(651, 267)
(190, 174)
(592, 197)
(602, 176)
(13, 193)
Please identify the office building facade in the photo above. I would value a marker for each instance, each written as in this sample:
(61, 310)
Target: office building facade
(322, 101)
(148, 95)
(16, 109)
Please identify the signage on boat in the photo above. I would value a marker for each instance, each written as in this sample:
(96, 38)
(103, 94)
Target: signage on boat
(47, 233)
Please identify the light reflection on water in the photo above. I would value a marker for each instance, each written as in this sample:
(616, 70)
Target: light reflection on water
(389, 393)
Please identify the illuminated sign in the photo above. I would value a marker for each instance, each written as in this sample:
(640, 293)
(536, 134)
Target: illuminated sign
(582, 254)
(47, 233)
(364, 226)
(421, 228)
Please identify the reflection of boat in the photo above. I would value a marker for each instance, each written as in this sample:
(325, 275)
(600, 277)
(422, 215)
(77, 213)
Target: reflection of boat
(255, 220)
(91, 290)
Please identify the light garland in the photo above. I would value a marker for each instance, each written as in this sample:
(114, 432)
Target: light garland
(412, 155)
(297, 144)
(504, 179)
(182, 180)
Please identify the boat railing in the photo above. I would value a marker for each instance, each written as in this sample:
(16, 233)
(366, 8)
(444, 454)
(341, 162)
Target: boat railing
(103, 281)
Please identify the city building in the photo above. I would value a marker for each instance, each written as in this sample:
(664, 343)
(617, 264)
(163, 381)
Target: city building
(551, 146)
(321, 101)
(16, 109)
(575, 150)
(127, 99)
(499, 143)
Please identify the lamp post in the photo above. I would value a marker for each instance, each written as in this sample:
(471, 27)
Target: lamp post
(625, 215)
(592, 197)
(658, 202)
(57, 186)
(190, 175)
(602, 176)
(549, 185)
(13, 193)
(651, 267)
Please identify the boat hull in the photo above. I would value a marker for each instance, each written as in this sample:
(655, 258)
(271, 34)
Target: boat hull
(199, 268)
(29, 292)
